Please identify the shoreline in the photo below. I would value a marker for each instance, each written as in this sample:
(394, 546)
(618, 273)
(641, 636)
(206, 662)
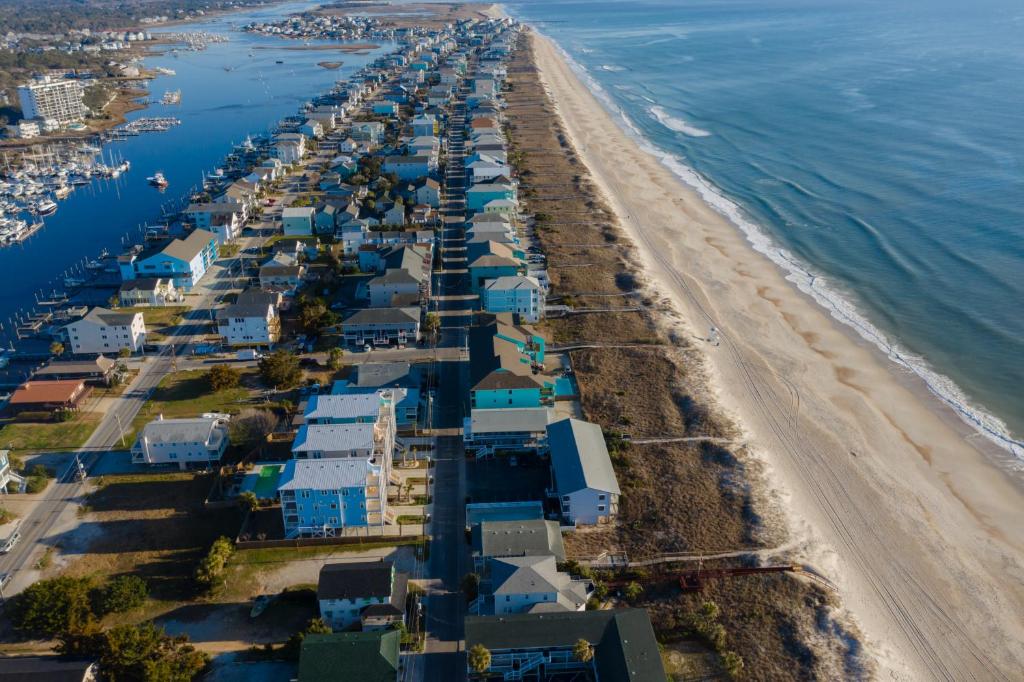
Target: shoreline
(816, 378)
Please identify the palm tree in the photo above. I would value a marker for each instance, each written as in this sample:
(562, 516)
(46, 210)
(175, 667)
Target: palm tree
(582, 651)
(479, 658)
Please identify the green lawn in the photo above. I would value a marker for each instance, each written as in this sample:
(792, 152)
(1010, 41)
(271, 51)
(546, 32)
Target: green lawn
(228, 251)
(187, 394)
(56, 436)
(159, 317)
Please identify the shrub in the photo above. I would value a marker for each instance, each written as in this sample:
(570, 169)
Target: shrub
(138, 652)
(280, 369)
(222, 377)
(53, 607)
(123, 593)
(210, 572)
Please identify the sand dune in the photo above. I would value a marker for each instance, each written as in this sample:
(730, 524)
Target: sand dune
(898, 506)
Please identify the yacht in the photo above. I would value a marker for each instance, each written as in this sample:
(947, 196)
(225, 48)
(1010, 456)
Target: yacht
(158, 180)
(45, 206)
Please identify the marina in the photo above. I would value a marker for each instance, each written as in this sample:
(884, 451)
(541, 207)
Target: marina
(103, 209)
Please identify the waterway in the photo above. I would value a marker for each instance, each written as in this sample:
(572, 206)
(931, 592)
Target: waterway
(228, 91)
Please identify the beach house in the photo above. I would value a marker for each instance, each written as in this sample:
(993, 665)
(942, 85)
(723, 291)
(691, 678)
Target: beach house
(584, 481)
(190, 442)
(320, 497)
(522, 645)
(148, 291)
(183, 261)
(297, 221)
(249, 324)
(363, 656)
(526, 583)
(104, 331)
(370, 594)
(519, 294)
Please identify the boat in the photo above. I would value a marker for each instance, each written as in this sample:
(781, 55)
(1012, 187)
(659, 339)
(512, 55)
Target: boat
(158, 180)
(45, 206)
(279, 61)
(259, 605)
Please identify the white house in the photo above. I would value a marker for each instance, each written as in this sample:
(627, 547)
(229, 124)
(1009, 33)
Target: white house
(249, 324)
(105, 331)
(519, 584)
(584, 480)
(194, 441)
(149, 291)
(289, 147)
(297, 221)
(518, 294)
(370, 593)
(7, 474)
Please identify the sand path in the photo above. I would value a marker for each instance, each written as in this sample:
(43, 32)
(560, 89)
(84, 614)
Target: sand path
(922, 535)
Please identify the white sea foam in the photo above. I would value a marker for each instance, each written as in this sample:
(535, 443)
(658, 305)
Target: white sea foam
(676, 124)
(814, 285)
(612, 67)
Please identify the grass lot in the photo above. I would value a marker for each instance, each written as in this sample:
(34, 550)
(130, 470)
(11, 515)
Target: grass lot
(227, 250)
(57, 436)
(153, 526)
(158, 317)
(187, 394)
(246, 566)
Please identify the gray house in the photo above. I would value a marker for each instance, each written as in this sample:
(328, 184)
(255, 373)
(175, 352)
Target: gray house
(584, 479)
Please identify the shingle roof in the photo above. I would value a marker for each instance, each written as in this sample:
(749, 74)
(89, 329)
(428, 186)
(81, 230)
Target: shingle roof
(625, 647)
(188, 248)
(355, 580)
(110, 318)
(579, 457)
(325, 474)
(509, 282)
(260, 310)
(362, 656)
(42, 669)
(65, 367)
(39, 392)
(382, 316)
(382, 375)
(142, 284)
(519, 538)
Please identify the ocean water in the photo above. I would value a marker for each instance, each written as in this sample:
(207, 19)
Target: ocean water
(229, 90)
(873, 149)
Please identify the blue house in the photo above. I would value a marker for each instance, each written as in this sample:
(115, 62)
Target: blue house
(321, 497)
(184, 261)
(373, 377)
(491, 260)
(480, 195)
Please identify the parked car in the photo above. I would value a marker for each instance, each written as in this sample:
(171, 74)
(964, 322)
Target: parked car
(4, 579)
(11, 542)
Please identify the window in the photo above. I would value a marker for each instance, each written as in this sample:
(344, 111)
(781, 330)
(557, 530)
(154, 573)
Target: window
(600, 497)
(304, 494)
(600, 507)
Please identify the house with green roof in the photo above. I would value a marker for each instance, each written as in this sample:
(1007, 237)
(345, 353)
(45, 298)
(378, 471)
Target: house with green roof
(539, 646)
(341, 656)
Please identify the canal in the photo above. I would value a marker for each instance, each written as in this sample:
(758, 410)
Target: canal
(229, 90)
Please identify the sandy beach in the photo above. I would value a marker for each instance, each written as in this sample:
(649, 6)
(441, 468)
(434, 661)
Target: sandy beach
(884, 487)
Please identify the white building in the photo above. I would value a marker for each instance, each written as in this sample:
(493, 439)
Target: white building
(370, 593)
(518, 294)
(105, 331)
(519, 584)
(584, 480)
(7, 474)
(289, 147)
(197, 441)
(60, 100)
(149, 291)
(249, 324)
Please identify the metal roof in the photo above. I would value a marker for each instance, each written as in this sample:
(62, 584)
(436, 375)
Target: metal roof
(325, 474)
(511, 420)
(333, 437)
(343, 406)
(518, 538)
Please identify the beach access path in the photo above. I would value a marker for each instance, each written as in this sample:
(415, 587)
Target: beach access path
(893, 499)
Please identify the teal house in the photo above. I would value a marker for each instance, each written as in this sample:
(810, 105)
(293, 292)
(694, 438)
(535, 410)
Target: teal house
(506, 366)
(481, 194)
